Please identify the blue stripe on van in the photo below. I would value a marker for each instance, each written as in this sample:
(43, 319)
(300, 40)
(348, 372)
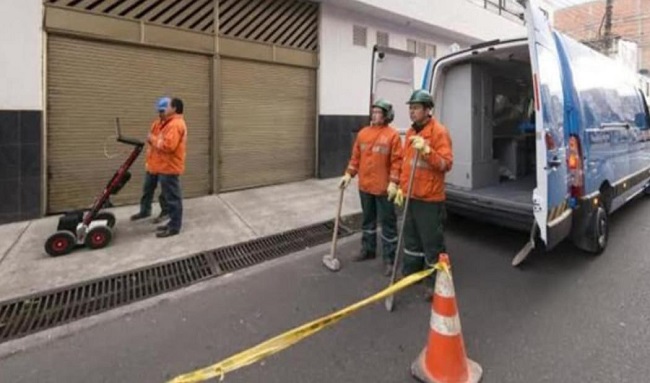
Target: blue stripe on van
(427, 75)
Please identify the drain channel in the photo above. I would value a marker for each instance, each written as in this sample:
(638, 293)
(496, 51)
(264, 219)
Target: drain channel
(33, 313)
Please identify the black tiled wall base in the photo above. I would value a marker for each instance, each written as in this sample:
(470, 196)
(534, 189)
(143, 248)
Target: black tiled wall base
(336, 135)
(20, 164)
(21, 147)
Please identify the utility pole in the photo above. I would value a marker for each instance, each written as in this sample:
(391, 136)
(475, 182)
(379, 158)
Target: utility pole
(608, 26)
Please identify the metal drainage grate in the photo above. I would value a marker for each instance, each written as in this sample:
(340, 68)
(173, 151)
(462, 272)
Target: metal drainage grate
(33, 313)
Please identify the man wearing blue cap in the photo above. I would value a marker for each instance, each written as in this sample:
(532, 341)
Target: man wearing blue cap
(150, 179)
(165, 163)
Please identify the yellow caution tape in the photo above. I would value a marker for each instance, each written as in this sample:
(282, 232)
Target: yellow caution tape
(291, 337)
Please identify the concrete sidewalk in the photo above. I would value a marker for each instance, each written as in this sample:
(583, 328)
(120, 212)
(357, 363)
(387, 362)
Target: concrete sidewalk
(209, 222)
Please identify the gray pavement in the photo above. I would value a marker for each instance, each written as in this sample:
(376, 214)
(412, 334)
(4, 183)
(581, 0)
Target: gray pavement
(209, 222)
(564, 317)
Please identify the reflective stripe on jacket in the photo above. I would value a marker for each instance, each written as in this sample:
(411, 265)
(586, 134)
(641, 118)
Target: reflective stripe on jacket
(376, 158)
(429, 182)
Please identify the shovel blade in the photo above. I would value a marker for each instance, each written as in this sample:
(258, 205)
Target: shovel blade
(333, 264)
(389, 303)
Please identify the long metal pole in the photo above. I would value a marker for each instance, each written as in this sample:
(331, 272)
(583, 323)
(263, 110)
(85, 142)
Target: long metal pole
(608, 26)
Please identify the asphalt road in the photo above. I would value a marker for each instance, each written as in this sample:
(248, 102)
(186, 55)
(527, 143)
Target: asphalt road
(563, 317)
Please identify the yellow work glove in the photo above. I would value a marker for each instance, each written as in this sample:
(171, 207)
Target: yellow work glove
(399, 198)
(420, 145)
(345, 181)
(392, 190)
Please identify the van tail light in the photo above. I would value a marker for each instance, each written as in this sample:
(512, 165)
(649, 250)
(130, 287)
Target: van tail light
(575, 167)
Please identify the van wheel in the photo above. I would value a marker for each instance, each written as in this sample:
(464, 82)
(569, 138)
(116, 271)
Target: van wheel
(600, 231)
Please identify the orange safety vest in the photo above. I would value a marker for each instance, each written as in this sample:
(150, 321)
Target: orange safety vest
(167, 147)
(377, 158)
(429, 180)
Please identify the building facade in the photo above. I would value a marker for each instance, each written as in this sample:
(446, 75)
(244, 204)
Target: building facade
(274, 89)
(349, 31)
(630, 21)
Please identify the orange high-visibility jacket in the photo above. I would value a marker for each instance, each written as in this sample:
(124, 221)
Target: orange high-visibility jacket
(167, 146)
(429, 181)
(377, 158)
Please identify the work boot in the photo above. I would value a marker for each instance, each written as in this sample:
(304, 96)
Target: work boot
(388, 269)
(364, 256)
(162, 228)
(161, 218)
(139, 216)
(167, 233)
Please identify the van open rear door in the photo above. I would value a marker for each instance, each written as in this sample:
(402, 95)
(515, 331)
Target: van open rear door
(550, 197)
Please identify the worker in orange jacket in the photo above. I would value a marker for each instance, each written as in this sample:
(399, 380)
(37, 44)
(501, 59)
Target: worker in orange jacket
(423, 229)
(150, 179)
(376, 158)
(166, 154)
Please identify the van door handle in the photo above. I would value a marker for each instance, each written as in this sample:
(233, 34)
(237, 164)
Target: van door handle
(554, 163)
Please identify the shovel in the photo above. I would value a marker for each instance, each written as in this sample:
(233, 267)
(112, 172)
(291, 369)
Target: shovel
(329, 260)
(390, 301)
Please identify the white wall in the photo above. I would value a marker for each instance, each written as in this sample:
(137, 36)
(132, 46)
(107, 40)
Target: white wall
(21, 63)
(344, 73)
(456, 17)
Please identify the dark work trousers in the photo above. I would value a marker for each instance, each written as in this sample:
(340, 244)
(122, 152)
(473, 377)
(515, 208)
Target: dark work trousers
(423, 235)
(148, 191)
(378, 206)
(171, 188)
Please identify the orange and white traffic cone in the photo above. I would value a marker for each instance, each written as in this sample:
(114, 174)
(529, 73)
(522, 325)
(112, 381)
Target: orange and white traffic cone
(443, 360)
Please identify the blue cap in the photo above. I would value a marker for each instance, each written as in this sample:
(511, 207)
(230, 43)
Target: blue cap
(162, 104)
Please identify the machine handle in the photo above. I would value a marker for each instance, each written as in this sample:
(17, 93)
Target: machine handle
(125, 140)
(554, 163)
(130, 141)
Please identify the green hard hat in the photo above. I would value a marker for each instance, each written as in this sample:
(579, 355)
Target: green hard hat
(387, 107)
(421, 96)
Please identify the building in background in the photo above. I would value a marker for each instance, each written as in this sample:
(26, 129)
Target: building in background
(514, 11)
(349, 31)
(630, 28)
(274, 89)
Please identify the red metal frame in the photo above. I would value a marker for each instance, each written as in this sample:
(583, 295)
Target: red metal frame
(115, 181)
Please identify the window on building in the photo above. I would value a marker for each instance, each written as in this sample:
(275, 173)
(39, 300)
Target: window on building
(360, 36)
(411, 46)
(422, 50)
(382, 39)
(431, 50)
(425, 50)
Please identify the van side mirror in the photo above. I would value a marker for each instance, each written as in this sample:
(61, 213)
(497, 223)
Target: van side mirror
(641, 121)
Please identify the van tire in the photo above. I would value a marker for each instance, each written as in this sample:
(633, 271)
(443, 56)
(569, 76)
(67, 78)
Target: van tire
(599, 232)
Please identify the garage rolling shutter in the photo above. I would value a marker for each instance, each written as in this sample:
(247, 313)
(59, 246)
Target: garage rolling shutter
(268, 116)
(90, 83)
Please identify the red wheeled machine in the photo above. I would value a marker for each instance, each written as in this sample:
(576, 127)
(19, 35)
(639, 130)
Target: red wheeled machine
(93, 227)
